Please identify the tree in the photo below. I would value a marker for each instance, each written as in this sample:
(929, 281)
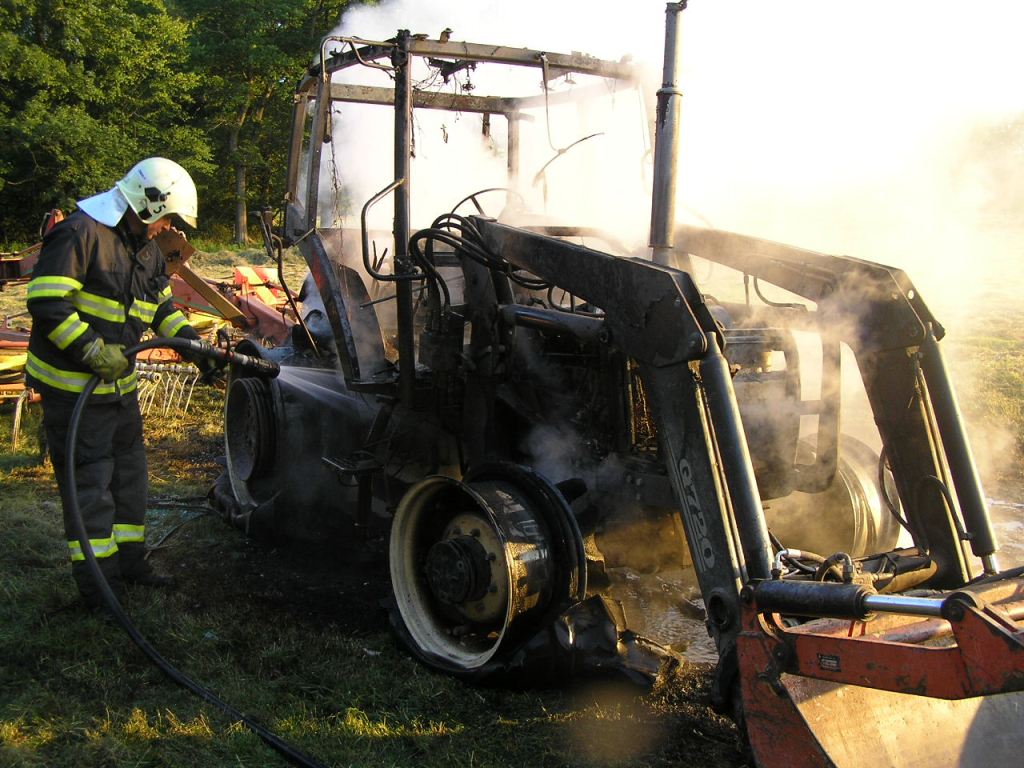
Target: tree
(87, 89)
(250, 54)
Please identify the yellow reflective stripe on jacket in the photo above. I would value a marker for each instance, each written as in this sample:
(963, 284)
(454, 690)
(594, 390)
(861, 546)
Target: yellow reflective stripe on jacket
(100, 548)
(171, 324)
(128, 534)
(75, 381)
(165, 294)
(51, 286)
(98, 306)
(144, 310)
(68, 331)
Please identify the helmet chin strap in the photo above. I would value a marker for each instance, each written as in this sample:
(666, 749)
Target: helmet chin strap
(138, 228)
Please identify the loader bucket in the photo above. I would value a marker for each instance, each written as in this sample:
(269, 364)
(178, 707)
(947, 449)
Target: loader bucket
(934, 690)
(849, 725)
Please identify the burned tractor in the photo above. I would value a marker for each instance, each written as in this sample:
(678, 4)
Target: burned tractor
(525, 413)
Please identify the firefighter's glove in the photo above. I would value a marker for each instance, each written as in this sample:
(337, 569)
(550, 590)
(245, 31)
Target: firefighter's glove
(211, 371)
(106, 360)
(206, 365)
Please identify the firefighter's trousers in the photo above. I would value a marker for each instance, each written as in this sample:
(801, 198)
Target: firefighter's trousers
(111, 479)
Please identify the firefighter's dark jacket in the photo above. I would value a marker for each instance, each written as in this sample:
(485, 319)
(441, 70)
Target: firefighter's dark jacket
(93, 281)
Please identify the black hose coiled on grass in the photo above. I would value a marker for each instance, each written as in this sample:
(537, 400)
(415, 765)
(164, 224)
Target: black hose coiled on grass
(192, 349)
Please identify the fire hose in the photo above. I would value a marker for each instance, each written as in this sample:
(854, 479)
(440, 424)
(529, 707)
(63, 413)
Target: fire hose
(225, 356)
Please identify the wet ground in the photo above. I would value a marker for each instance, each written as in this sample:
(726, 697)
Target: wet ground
(666, 605)
(667, 608)
(324, 588)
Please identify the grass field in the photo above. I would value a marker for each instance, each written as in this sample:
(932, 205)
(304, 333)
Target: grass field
(300, 640)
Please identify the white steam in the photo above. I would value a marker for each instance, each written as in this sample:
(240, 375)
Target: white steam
(848, 128)
(453, 158)
(840, 127)
(604, 29)
(892, 132)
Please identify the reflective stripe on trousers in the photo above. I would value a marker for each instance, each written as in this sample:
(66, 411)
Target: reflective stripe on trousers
(100, 548)
(110, 469)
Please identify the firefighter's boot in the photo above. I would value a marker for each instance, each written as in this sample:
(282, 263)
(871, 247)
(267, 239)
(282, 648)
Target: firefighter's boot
(135, 569)
(90, 591)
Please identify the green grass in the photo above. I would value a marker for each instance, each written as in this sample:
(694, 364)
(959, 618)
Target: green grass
(985, 356)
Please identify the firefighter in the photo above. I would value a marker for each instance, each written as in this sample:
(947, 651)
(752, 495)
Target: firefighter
(100, 281)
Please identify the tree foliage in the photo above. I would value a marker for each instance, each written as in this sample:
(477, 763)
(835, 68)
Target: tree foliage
(88, 87)
(250, 54)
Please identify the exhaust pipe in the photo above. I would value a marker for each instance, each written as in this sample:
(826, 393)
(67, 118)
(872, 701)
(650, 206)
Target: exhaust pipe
(666, 146)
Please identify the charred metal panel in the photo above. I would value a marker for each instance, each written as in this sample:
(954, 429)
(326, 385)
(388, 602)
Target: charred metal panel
(279, 434)
(326, 277)
(557, 64)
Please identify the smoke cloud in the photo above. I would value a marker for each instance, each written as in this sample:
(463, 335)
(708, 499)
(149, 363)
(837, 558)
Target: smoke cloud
(890, 132)
(454, 157)
(852, 129)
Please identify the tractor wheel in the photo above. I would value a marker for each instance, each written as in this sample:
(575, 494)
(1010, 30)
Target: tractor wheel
(480, 565)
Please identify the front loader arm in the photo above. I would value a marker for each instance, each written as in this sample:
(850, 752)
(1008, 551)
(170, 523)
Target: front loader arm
(657, 317)
(879, 314)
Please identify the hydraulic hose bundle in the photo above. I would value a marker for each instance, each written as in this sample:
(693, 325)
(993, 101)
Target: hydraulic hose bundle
(224, 356)
(458, 232)
(461, 233)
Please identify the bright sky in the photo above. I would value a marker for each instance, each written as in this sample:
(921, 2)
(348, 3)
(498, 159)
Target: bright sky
(838, 96)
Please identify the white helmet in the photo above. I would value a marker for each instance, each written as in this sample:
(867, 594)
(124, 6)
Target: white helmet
(156, 187)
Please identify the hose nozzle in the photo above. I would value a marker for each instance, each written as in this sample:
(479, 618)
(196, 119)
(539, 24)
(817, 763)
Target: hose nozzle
(228, 356)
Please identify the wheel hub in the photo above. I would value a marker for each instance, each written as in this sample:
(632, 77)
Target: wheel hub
(457, 570)
(472, 567)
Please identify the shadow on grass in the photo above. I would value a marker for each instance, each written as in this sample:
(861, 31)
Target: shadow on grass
(9, 461)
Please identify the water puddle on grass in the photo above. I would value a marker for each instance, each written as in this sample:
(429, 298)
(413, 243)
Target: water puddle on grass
(665, 607)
